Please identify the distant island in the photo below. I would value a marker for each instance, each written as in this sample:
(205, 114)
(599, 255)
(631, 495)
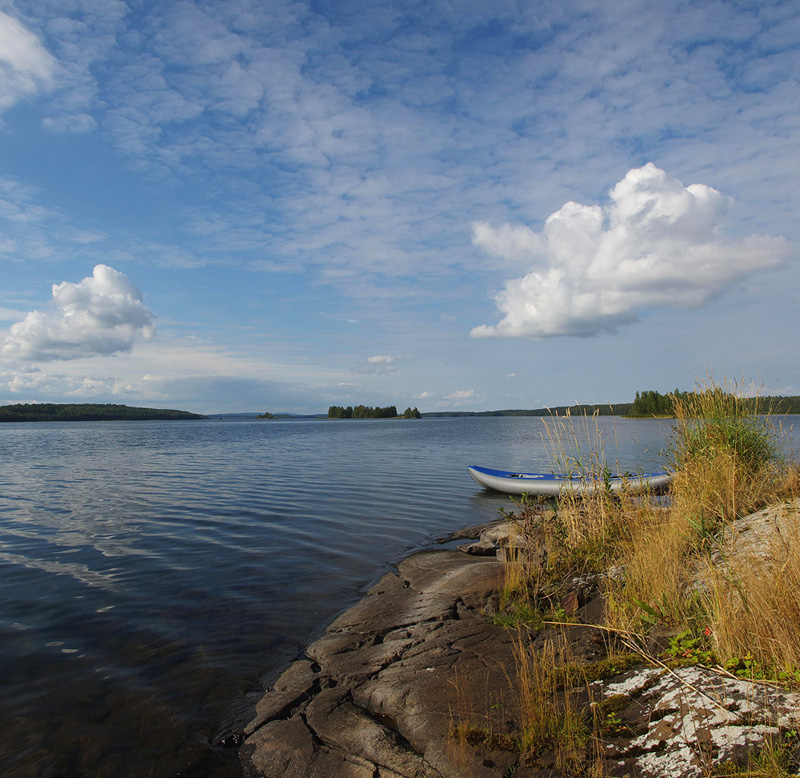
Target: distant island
(89, 412)
(368, 412)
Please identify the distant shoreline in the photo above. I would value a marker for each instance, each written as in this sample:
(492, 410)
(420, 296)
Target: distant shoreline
(44, 412)
(607, 409)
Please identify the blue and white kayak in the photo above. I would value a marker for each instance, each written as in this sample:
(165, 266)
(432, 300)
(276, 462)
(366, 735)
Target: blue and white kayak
(553, 484)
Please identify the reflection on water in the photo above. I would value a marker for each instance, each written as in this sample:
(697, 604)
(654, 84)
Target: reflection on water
(152, 572)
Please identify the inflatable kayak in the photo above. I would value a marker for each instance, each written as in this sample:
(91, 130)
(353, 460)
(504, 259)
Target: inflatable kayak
(552, 484)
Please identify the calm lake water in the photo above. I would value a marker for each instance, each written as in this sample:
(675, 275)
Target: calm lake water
(153, 574)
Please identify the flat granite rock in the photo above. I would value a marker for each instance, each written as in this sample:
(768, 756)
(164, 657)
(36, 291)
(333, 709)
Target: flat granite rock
(379, 693)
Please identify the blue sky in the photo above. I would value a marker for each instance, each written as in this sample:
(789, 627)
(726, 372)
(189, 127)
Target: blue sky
(240, 206)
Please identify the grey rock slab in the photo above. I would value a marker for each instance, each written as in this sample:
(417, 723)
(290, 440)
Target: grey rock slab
(293, 686)
(381, 693)
(482, 548)
(283, 747)
(340, 723)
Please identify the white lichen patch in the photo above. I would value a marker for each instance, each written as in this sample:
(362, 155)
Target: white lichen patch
(700, 718)
(631, 686)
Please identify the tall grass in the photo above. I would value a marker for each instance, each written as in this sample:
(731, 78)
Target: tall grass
(692, 570)
(725, 458)
(592, 524)
(726, 463)
(548, 715)
(754, 610)
(684, 563)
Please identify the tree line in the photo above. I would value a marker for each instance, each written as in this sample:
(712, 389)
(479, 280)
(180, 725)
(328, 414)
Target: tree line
(647, 404)
(89, 412)
(651, 403)
(368, 412)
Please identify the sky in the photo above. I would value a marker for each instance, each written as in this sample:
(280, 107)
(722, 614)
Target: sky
(259, 205)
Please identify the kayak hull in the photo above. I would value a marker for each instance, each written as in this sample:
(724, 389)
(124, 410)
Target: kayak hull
(553, 484)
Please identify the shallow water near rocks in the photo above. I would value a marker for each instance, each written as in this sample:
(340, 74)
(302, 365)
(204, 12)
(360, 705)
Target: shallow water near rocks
(151, 573)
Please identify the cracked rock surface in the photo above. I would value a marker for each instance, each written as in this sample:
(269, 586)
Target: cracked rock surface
(379, 692)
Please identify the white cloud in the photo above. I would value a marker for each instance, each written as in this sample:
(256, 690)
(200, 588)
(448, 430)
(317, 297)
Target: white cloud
(56, 385)
(461, 394)
(25, 65)
(101, 315)
(379, 364)
(9, 314)
(78, 122)
(657, 243)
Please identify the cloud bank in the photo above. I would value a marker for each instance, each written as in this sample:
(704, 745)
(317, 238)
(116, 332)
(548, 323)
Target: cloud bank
(657, 243)
(101, 315)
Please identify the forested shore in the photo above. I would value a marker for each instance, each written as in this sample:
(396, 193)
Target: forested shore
(89, 412)
(647, 404)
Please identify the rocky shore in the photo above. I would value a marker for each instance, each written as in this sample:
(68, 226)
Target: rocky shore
(382, 693)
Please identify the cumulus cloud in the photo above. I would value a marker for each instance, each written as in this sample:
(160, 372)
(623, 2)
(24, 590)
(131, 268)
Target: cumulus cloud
(657, 243)
(25, 65)
(101, 315)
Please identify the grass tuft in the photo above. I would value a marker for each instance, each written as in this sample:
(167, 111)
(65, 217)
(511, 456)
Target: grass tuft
(549, 718)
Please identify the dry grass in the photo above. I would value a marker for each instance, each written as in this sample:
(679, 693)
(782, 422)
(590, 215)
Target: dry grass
(753, 603)
(684, 563)
(656, 579)
(547, 714)
(790, 487)
(725, 459)
(481, 720)
(726, 465)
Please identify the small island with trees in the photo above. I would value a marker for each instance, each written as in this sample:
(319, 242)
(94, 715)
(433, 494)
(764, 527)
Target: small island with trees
(368, 412)
(90, 412)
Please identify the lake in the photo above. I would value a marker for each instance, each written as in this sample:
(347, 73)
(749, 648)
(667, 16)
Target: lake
(154, 574)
